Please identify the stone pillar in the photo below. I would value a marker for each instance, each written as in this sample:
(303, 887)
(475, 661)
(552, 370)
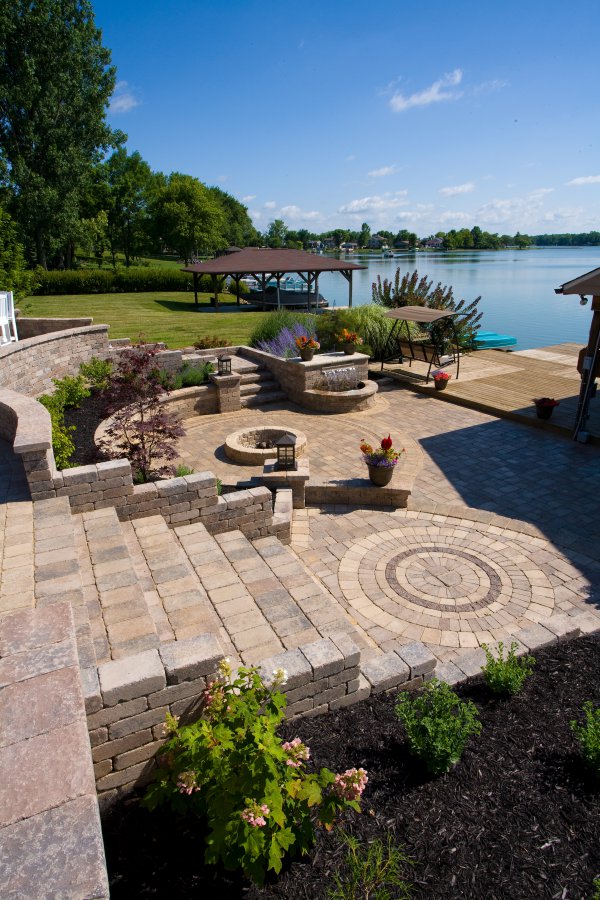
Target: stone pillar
(228, 392)
(275, 478)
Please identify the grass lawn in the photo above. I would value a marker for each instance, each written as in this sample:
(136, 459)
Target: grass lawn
(170, 316)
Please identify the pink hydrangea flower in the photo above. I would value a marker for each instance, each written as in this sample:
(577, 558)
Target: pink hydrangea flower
(187, 782)
(255, 814)
(350, 784)
(298, 752)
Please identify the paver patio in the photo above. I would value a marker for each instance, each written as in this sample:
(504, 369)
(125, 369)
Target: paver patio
(500, 532)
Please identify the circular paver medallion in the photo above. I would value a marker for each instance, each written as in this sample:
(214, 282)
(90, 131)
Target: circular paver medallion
(452, 585)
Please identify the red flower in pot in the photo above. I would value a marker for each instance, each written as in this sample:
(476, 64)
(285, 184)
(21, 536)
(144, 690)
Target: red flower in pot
(544, 406)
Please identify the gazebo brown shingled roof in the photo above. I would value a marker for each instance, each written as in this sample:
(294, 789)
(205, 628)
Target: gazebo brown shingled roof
(273, 263)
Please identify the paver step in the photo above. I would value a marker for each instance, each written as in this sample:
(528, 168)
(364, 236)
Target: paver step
(312, 598)
(249, 390)
(16, 557)
(57, 573)
(262, 398)
(176, 596)
(250, 631)
(255, 377)
(113, 588)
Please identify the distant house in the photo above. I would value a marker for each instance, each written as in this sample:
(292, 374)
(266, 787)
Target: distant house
(330, 244)
(348, 246)
(377, 242)
(434, 243)
(316, 245)
(401, 245)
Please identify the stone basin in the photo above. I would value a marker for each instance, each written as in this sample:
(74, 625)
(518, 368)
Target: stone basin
(242, 446)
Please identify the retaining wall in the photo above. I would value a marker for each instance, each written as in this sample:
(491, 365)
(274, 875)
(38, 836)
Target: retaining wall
(28, 366)
(30, 327)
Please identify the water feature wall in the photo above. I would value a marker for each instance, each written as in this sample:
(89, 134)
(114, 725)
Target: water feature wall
(340, 379)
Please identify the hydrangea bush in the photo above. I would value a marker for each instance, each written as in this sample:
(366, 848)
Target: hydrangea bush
(252, 788)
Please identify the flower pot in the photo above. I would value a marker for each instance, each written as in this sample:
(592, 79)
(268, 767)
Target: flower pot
(544, 412)
(307, 354)
(380, 475)
(349, 349)
(441, 385)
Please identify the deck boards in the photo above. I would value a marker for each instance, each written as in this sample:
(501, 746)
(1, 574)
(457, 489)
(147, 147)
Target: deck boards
(505, 383)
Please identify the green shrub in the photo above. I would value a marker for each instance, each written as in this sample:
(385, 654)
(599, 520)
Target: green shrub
(70, 390)
(375, 871)
(97, 373)
(588, 735)
(274, 322)
(181, 471)
(251, 788)
(105, 281)
(211, 340)
(188, 376)
(438, 725)
(62, 443)
(506, 676)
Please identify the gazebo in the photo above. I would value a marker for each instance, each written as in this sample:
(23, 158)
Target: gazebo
(588, 364)
(265, 264)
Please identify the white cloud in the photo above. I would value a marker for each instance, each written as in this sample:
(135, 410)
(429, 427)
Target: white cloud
(382, 172)
(123, 99)
(350, 158)
(585, 179)
(457, 189)
(377, 203)
(295, 213)
(248, 198)
(270, 204)
(435, 93)
(524, 212)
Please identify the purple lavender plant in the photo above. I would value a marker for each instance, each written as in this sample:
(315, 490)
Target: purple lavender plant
(284, 344)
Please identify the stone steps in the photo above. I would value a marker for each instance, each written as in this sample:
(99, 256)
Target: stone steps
(249, 630)
(113, 589)
(262, 399)
(258, 386)
(175, 594)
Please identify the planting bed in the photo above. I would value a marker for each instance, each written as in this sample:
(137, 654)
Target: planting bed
(518, 817)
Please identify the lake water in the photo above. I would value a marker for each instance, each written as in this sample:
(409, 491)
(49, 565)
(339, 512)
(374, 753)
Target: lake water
(516, 287)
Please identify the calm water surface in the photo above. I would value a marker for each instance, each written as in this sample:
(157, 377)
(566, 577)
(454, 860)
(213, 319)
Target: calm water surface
(516, 288)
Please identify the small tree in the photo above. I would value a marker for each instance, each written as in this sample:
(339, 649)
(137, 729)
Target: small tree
(140, 427)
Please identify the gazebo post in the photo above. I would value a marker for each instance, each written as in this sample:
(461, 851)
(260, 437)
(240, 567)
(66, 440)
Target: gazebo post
(350, 273)
(587, 366)
(237, 288)
(316, 290)
(278, 276)
(264, 289)
(196, 288)
(216, 290)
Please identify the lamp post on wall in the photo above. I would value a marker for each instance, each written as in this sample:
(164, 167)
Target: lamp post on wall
(286, 452)
(224, 365)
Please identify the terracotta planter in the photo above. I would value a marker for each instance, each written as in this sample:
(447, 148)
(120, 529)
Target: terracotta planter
(544, 412)
(307, 354)
(441, 385)
(380, 475)
(349, 349)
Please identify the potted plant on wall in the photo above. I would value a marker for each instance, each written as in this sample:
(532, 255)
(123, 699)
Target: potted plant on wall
(348, 341)
(306, 347)
(440, 380)
(544, 407)
(381, 461)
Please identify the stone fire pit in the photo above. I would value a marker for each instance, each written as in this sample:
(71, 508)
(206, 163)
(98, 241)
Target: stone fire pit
(253, 446)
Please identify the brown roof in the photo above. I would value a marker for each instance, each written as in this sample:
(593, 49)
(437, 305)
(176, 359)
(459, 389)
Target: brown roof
(418, 314)
(583, 284)
(254, 260)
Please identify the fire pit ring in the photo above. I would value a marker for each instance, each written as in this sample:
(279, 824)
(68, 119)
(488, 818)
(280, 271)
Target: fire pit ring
(244, 446)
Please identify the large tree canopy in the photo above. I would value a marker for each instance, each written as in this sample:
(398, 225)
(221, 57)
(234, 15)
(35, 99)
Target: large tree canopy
(188, 217)
(55, 84)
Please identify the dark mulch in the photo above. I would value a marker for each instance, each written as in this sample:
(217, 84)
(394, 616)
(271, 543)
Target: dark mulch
(518, 817)
(86, 419)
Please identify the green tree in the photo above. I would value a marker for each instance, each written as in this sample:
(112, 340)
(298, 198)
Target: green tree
(188, 218)
(55, 83)
(130, 187)
(238, 230)
(522, 241)
(365, 234)
(13, 274)
(276, 234)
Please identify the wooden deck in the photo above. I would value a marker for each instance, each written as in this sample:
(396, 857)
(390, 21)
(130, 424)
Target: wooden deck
(504, 384)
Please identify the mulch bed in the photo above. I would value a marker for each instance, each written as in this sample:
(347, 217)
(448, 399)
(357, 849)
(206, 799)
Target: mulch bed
(86, 419)
(518, 817)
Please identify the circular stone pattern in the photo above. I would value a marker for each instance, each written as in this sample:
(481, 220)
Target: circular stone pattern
(241, 446)
(454, 585)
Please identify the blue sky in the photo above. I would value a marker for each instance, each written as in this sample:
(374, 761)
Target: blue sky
(426, 116)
